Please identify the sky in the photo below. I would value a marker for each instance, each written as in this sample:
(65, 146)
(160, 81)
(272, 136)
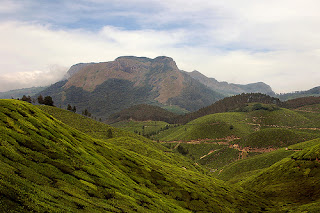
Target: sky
(271, 41)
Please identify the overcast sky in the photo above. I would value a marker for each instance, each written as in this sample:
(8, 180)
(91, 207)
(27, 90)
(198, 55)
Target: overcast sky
(238, 41)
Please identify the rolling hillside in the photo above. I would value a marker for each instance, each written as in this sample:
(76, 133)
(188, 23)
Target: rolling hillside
(143, 112)
(47, 165)
(293, 181)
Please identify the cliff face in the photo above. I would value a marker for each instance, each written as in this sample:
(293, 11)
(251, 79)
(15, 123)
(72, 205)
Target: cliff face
(161, 73)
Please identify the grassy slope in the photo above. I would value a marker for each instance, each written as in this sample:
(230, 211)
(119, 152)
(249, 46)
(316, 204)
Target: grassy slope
(141, 127)
(218, 125)
(48, 166)
(282, 117)
(276, 137)
(120, 138)
(241, 169)
(294, 180)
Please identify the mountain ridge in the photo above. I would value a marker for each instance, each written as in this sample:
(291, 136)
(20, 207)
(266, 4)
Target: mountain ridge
(229, 89)
(130, 81)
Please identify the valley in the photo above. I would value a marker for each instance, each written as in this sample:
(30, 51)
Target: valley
(140, 135)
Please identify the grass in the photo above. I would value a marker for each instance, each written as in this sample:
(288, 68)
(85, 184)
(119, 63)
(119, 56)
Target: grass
(244, 168)
(142, 127)
(282, 117)
(218, 125)
(276, 137)
(293, 181)
(48, 166)
(121, 138)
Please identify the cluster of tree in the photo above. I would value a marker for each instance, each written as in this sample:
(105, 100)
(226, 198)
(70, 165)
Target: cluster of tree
(86, 113)
(46, 100)
(72, 109)
(28, 99)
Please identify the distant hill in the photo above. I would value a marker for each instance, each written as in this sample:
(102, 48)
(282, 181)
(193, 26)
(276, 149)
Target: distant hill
(300, 94)
(231, 89)
(108, 87)
(18, 93)
(230, 104)
(300, 102)
(143, 112)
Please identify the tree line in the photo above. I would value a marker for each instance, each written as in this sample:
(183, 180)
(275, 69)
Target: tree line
(47, 100)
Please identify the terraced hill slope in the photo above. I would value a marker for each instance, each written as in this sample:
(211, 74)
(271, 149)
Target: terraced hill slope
(293, 181)
(48, 166)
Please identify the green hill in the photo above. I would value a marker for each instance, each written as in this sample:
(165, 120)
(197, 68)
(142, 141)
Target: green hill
(293, 181)
(230, 104)
(275, 138)
(219, 125)
(123, 139)
(240, 170)
(143, 112)
(48, 166)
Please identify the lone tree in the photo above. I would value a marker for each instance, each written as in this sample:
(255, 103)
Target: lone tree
(74, 109)
(69, 107)
(48, 101)
(109, 133)
(40, 99)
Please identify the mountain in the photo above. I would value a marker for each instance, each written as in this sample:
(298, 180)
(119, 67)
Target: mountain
(300, 94)
(108, 87)
(49, 166)
(76, 68)
(231, 89)
(18, 93)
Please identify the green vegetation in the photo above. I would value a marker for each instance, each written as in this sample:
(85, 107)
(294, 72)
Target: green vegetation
(118, 137)
(292, 182)
(257, 106)
(143, 112)
(244, 168)
(230, 104)
(219, 125)
(56, 160)
(275, 138)
(143, 127)
(176, 110)
(48, 166)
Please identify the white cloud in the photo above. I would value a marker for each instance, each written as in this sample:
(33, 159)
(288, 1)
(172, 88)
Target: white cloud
(236, 41)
